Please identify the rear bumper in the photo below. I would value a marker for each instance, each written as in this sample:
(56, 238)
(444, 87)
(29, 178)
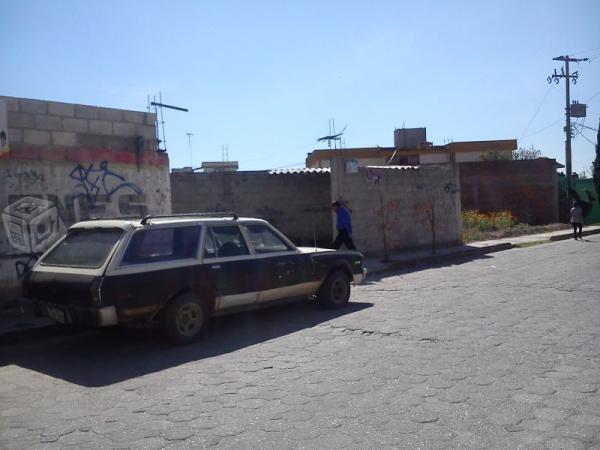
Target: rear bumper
(359, 278)
(78, 315)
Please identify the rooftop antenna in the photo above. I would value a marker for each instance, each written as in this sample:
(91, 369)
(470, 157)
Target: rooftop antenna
(189, 135)
(158, 107)
(225, 152)
(332, 136)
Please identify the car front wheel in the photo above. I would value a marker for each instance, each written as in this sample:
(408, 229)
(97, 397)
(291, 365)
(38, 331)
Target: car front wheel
(185, 319)
(335, 292)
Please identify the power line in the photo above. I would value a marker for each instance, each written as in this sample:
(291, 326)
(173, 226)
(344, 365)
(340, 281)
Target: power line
(289, 165)
(536, 112)
(543, 129)
(278, 153)
(556, 121)
(586, 51)
(592, 97)
(585, 137)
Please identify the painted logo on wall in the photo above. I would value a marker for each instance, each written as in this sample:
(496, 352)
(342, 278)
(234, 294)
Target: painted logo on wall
(31, 224)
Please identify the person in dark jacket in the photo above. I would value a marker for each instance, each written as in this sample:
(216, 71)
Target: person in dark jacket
(343, 224)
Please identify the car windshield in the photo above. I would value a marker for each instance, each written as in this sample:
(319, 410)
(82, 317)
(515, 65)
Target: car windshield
(84, 248)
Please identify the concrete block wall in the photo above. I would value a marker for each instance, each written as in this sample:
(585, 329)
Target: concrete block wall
(66, 163)
(394, 206)
(298, 204)
(56, 124)
(526, 188)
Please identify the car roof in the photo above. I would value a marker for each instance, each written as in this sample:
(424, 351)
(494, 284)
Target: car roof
(128, 223)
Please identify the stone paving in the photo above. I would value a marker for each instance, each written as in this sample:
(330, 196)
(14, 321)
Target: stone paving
(497, 352)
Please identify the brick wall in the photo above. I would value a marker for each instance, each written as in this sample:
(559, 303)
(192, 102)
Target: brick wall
(67, 163)
(526, 188)
(394, 206)
(298, 204)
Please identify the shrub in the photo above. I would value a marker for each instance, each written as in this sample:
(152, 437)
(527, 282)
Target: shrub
(475, 223)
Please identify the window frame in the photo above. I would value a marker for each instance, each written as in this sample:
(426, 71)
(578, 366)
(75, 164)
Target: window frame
(42, 259)
(143, 266)
(285, 241)
(209, 227)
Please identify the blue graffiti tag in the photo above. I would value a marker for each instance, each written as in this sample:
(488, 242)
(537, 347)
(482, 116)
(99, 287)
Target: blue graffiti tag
(95, 181)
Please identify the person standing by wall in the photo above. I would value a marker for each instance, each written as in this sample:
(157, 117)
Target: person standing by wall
(577, 220)
(343, 224)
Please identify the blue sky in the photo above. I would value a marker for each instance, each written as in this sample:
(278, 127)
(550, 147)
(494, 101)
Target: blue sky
(264, 77)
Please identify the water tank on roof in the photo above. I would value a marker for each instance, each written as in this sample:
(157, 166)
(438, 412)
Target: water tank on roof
(409, 137)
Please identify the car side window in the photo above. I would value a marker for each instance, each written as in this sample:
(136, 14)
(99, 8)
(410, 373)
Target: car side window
(210, 250)
(162, 244)
(229, 241)
(264, 240)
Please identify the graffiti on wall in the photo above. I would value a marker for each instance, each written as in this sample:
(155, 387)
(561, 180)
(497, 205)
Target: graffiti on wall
(21, 179)
(31, 224)
(34, 221)
(94, 181)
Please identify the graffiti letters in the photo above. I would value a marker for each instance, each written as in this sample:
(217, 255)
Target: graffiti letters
(93, 182)
(23, 179)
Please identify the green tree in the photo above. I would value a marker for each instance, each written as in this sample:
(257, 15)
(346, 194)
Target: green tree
(526, 153)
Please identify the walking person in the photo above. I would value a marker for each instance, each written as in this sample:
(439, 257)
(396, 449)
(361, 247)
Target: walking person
(577, 220)
(343, 224)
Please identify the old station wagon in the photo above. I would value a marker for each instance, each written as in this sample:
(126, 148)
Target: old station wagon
(176, 272)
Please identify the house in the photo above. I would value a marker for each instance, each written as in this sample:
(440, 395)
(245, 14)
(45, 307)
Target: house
(412, 148)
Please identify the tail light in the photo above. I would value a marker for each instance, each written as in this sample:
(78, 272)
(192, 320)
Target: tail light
(96, 290)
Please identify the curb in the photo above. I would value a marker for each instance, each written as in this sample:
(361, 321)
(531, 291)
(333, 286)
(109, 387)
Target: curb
(432, 259)
(569, 235)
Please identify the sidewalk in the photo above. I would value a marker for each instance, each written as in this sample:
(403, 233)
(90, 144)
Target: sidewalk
(411, 259)
(20, 324)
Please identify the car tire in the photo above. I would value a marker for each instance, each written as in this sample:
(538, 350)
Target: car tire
(335, 292)
(185, 319)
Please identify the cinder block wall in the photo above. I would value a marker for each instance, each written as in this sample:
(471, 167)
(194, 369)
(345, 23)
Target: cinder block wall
(44, 130)
(68, 163)
(526, 188)
(397, 205)
(298, 204)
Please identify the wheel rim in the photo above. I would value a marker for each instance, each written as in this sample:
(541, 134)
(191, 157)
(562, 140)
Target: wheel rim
(190, 318)
(339, 291)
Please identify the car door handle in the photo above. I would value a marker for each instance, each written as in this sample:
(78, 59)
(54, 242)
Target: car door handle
(215, 266)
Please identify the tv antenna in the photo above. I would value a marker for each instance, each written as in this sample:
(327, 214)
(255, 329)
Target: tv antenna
(189, 135)
(160, 123)
(333, 136)
(225, 152)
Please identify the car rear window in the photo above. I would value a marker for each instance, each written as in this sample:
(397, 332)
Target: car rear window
(162, 244)
(84, 248)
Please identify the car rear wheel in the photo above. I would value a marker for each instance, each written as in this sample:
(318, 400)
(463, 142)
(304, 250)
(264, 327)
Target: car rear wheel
(335, 292)
(185, 319)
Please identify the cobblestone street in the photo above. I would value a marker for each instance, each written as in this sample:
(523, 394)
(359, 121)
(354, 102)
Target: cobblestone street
(498, 352)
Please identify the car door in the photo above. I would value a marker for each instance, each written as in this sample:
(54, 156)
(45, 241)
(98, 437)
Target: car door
(230, 267)
(284, 271)
(157, 263)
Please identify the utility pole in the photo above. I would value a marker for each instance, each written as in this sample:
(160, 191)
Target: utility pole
(564, 73)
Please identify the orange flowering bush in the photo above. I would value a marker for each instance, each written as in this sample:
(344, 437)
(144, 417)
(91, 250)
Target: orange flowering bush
(476, 222)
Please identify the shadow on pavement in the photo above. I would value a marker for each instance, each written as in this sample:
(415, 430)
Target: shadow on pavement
(102, 357)
(415, 266)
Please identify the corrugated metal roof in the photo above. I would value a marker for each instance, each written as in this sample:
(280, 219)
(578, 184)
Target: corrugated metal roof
(299, 170)
(394, 167)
